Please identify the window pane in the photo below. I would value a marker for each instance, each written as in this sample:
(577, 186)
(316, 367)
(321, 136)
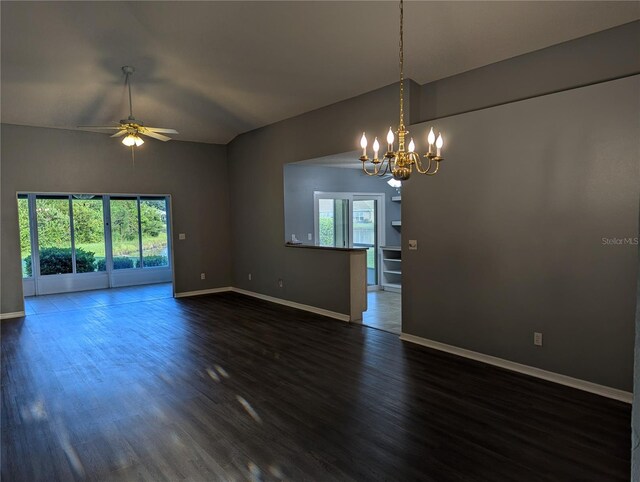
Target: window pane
(54, 234)
(125, 233)
(25, 236)
(326, 221)
(153, 219)
(88, 226)
(333, 217)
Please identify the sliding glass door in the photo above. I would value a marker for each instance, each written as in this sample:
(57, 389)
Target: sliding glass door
(365, 232)
(351, 220)
(73, 242)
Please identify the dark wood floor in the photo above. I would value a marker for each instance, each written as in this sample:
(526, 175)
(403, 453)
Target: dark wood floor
(225, 387)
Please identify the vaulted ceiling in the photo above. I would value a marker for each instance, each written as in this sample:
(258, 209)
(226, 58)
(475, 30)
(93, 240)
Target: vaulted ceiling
(213, 70)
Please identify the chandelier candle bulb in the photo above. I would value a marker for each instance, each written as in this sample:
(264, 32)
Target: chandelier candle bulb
(431, 138)
(412, 145)
(439, 144)
(390, 139)
(376, 148)
(363, 144)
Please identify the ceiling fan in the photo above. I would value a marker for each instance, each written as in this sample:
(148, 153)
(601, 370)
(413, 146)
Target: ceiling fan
(131, 127)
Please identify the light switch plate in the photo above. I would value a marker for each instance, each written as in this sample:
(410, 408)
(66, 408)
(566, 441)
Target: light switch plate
(413, 244)
(182, 236)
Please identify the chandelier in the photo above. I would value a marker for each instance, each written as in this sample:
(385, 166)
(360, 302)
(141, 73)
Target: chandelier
(402, 161)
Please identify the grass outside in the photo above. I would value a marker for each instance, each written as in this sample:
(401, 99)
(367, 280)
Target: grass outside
(150, 246)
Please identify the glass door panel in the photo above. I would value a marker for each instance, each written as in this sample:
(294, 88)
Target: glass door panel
(25, 235)
(153, 221)
(88, 230)
(125, 233)
(333, 222)
(54, 235)
(365, 233)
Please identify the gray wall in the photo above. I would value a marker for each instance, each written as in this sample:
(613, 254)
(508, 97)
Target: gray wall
(56, 160)
(301, 181)
(512, 243)
(598, 57)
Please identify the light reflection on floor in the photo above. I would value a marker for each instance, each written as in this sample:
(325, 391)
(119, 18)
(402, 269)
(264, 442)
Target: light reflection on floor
(37, 305)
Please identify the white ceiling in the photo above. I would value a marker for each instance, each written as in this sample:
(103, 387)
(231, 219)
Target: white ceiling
(215, 69)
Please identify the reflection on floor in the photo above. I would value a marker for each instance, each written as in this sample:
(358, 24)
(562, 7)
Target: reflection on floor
(37, 305)
(384, 311)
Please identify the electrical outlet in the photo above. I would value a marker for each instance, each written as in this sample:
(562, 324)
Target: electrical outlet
(280, 283)
(413, 244)
(310, 237)
(537, 338)
(249, 276)
(203, 276)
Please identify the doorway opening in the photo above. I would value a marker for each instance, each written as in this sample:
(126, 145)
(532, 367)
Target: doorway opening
(79, 242)
(330, 202)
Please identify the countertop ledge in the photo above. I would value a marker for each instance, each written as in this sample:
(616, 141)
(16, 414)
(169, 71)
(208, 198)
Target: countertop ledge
(326, 248)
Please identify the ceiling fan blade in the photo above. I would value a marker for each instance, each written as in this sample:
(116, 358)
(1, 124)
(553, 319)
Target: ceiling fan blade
(106, 128)
(155, 135)
(162, 129)
(121, 133)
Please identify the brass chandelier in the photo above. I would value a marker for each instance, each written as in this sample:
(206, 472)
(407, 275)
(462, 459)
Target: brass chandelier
(402, 161)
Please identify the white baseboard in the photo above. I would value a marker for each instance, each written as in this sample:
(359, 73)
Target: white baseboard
(209, 291)
(293, 304)
(608, 392)
(14, 314)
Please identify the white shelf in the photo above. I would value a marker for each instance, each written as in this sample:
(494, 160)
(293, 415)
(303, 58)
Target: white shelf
(393, 285)
(396, 223)
(391, 268)
(396, 198)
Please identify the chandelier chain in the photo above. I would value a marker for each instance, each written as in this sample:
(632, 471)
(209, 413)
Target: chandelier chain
(401, 65)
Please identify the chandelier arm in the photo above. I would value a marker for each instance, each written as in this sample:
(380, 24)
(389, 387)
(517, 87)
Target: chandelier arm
(419, 167)
(435, 171)
(386, 169)
(428, 171)
(376, 169)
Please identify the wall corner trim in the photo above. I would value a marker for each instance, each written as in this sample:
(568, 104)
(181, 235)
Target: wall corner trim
(14, 314)
(186, 294)
(293, 304)
(584, 385)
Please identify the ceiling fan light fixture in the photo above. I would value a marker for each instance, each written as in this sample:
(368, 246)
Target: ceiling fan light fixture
(131, 140)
